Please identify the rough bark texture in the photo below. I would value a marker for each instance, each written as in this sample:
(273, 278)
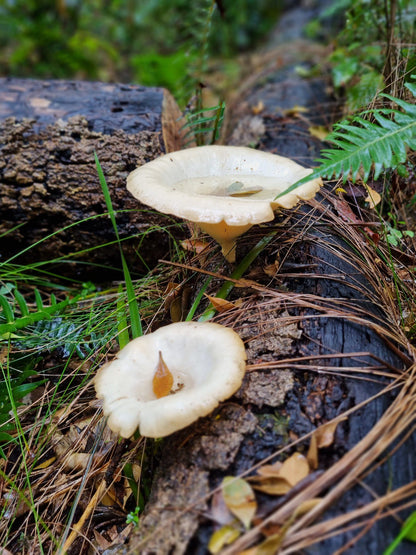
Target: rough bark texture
(49, 132)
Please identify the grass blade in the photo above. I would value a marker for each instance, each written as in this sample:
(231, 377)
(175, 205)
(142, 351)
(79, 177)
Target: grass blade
(136, 324)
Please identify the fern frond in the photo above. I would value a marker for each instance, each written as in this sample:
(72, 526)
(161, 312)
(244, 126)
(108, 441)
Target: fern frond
(203, 122)
(362, 143)
(363, 146)
(11, 324)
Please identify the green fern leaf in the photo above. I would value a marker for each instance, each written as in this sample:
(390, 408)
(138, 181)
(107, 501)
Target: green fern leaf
(12, 325)
(7, 309)
(38, 300)
(361, 145)
(22, 303)
(364, 145)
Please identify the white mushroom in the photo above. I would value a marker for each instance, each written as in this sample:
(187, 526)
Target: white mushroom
(224, 189)
(205, 360)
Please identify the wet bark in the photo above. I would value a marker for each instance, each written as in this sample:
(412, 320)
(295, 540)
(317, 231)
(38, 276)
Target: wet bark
(49, 131)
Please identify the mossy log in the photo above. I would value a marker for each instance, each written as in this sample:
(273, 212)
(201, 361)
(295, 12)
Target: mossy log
(49, 131)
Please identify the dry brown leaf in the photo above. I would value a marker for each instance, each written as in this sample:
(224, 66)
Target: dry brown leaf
(312, 455)
(319, 131)
(272, 486)
(109, 498)
(294, 469)
(76, 461)
(222, 305)
(194, 245)
(373, 198)
(102, 543)
(113, 533)
(239, 498)
(45, 464)
(259, 107)
(175, 310)
(271, 269)
(270, 470)
(163, 379)
(325, 434)
(279, 478)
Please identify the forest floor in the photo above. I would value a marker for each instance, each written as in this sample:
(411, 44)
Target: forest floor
(317, 445)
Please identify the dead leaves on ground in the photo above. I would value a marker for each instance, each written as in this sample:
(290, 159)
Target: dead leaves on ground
(234, 507)
(222, 305)
(279, 478)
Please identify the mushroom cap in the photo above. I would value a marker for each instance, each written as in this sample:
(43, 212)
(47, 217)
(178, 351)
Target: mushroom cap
(207, 362)
(196, 184)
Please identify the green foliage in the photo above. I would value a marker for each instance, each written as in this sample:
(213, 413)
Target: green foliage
(16, 375)
(364, 146)
(166, 70)
(408, 532)
(133, 517)
(157, 42)
(10, 323)
(203, 125)
(368, 56)
(394, 235)
(136, 325)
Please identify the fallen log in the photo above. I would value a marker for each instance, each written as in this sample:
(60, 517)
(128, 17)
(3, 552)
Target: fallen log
(49, 131)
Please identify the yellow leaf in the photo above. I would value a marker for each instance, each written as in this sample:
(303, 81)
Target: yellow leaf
(45, 464)
(239, 498)
(294, 469)
(373, 197)
(222, 537)
(295, 110)
(319, 131)
(163, 379)
(340, 191)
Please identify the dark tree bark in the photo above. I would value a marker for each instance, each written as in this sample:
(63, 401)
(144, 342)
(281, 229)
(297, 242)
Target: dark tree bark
(49, 131)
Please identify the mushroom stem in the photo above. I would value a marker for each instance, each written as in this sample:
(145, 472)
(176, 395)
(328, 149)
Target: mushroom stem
(225, 235)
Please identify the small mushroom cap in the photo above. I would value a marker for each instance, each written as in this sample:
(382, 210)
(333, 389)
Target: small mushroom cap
(207, 362)
(199, 184)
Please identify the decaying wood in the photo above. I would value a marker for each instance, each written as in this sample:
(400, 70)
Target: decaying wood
(340, 320)
(49, 131)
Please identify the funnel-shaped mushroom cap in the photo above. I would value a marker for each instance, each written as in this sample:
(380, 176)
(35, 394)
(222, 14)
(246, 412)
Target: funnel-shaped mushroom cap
(225, 189)
(206, 361)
